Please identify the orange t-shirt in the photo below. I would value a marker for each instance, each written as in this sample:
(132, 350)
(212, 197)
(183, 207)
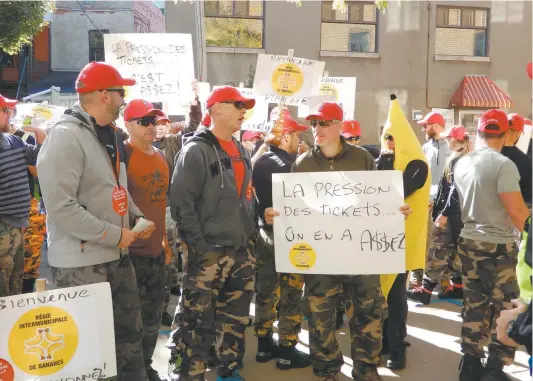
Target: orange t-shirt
(237, 162)
(148, 178)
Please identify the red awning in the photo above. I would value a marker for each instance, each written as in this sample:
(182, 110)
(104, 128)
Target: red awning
(478, 91)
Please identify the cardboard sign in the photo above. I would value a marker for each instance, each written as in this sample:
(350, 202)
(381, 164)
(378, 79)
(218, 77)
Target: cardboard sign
(339, 222)
(162, 64)
(45, 336)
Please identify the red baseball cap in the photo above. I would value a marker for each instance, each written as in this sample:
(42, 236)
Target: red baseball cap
(493, 122)
(433, 118)
(351, 128)
(249, 135)
(290, 125)
(228, 93)
(100, 76)
(516, 122)
(456, 132)
(327, 111)
(139, 108)
(163, 119)
(206, 121)
(6, 102)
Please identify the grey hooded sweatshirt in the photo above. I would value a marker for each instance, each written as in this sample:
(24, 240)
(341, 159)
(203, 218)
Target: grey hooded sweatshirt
(204, 199)
(77, 179)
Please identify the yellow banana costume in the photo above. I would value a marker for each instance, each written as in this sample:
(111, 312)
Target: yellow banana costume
(407, 149)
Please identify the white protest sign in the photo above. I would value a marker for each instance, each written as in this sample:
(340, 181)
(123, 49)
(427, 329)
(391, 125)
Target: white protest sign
(183, 107)
(525, 138)
(312, 103)
(162, 64)
(339, 222)
(63, 334)
(337, 89)
(287, 79)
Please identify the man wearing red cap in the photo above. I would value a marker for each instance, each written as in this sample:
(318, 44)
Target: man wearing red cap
(283, 149)
(492, 209)
(212, 201)
(351, 130)
(90, 212)
(250, 138)
(15, 156)
(364, 296)
(519, 158)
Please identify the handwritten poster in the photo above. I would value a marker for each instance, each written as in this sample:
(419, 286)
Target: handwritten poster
(45, 336)
(339, 89)
(162, 64)
(339, 222)
(287, 79)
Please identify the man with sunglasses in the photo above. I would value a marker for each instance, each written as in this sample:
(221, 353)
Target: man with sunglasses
(364, 301)
(90, 212)
(351, 130)
(15, 156)
(212, 200)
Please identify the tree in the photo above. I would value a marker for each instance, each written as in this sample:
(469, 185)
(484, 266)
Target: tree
(340, 5)
(20, 21)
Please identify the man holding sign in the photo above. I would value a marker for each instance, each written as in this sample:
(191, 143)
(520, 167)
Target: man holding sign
(364, 301)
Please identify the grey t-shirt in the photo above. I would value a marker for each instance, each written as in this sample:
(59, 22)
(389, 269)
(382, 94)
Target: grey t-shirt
(480, 177)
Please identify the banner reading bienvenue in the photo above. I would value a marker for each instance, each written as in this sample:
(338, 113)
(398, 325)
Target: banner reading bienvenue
(162, 64)
(46, 335)
(339, 222)
(341, 90)
(287, 79)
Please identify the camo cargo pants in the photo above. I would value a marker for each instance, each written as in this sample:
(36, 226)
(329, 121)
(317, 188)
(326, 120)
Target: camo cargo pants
(266, 300)
(172, 274)
(365, 308)
(11, 260)
(126, 309)
(150, 273)
(227, 276)
(489, 281)
(442, 256)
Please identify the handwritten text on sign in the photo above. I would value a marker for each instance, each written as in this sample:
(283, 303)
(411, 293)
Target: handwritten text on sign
(339, 222)
(46, 337)
(162, 63)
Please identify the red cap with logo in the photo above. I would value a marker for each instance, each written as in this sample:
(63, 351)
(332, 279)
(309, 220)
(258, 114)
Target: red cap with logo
(351, 128)
(456, 132)
(493, 122)
(6, 102)
(516, 122)
(139, 108)
(163, 119)
(327, 111)
(206, 120)
(249, 135)
(228, 94)
(100, 76)
(433, 118)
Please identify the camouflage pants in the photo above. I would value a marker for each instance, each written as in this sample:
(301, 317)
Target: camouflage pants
(33, 240)
(11, 260)
(172, 274)
(290, 296)
(365, 309)
(126, 309)
(227, 276)
(150, 273)
(489, 281)
(442, 256)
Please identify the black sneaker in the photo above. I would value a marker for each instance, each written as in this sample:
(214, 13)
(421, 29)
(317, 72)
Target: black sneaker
(397, 360)
(453, 291)
(365, 372)
(175, 290)
(471, 368)
(421, 294)
(291, 358)
(166, 319)
(152, 374)
(494, 370)
(266, 349)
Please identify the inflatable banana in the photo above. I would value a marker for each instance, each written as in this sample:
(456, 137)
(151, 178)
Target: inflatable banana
(407, 149)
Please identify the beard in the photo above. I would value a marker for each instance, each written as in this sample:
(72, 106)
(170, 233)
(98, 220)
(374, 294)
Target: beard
(5, 127)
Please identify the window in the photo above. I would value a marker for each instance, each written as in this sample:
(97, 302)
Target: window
(461, 31)
(96, 45)
(7, 60)
(234, 24)
(354, 30)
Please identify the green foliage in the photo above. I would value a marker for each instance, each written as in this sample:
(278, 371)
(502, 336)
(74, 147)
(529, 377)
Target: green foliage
(234, 32)
(21, 20)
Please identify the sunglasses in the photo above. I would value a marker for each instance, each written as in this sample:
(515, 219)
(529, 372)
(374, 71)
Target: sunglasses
(323, 123)
(389, 138)
(121, 92)
(238, 104)
(354, 139)
(145, 121)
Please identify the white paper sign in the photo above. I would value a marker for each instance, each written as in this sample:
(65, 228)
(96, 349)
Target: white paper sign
(58, 335)
(183, 107)
(339, 222)
(525, 138)
(162, 64)
(287, 79)
(338, 89)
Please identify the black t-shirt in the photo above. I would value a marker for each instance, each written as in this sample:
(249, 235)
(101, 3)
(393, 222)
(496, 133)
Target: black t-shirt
(30, 140)
(523, 163)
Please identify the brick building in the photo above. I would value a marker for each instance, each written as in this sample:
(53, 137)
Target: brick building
(460, 56)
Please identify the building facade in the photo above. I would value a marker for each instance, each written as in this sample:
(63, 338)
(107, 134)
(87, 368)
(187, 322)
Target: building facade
(463, 57)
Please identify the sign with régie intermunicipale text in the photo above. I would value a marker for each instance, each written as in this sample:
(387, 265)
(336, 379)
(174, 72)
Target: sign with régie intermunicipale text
(162, 64)
(339, 223)
(58, 335)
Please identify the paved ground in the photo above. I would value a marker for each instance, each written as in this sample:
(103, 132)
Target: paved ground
(434, 355)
